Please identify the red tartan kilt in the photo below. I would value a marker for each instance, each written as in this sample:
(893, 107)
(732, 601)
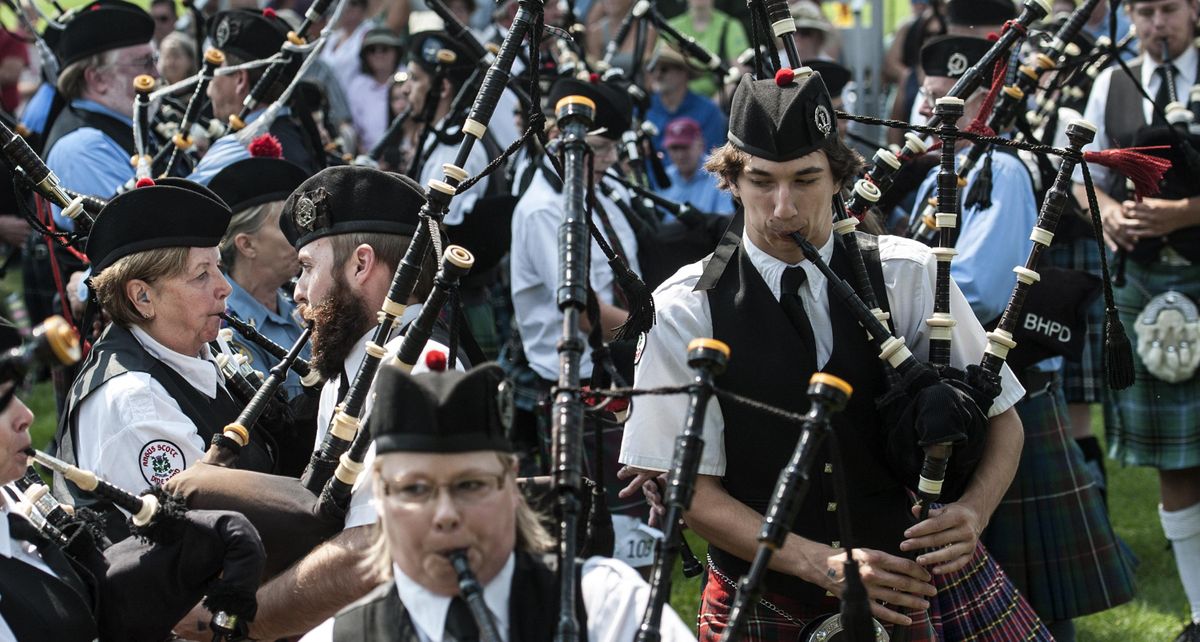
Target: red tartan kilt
(977, 603)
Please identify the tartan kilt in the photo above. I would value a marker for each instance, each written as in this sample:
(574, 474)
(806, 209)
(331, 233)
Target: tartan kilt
(1083, 380)
(976, 603)
(1051, 532)
(1154, 423)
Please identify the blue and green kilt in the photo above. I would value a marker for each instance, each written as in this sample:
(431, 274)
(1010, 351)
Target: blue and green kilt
(1051, 532)
(1154, 423)
(978, 602)
(1083, 380)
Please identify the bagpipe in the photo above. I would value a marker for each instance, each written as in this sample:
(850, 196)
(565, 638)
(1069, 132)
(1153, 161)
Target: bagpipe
(291, 517)
(309, 377)
(142, 585)
(148, 582)
(472, 593)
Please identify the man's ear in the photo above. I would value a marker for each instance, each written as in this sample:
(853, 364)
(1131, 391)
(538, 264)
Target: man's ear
(242, 83)
(361, 264)
(245, 245)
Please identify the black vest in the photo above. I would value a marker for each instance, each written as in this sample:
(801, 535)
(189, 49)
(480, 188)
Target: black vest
(118, 352)
(39, 606)
(295, 144)
(381, 617)
(758, 447)
(71, 119)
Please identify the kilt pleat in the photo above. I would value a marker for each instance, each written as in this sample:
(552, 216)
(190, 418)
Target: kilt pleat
(1154, 423)
(1051, 532)
(978, 602)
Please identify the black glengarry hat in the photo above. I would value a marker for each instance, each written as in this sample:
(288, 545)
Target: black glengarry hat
(248, 34)
(952, 56)
(255, 181)
(423, 52)
(973, 13)
(781, 119)
(438, 412)
(613, 106)
(347, 199)
(172, 212)
(103, 26)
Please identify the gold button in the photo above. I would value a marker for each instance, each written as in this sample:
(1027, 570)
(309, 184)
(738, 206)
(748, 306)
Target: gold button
(835, 543)
(831, 506)
(828, 594)
(829, 468)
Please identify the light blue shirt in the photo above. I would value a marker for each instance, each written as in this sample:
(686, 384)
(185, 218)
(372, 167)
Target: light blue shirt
(226, 151)
(280, 327)
(88, 161)
(704, 111)
(991, 241)
(37, 110)
(700, 191)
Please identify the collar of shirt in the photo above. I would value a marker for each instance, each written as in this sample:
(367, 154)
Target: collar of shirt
(251, 310)
(6, 540)
(200, 371)
(1185, 68)
(772, 268)
(428, 611)
(356, 356)
(93, 106)
(284, 110)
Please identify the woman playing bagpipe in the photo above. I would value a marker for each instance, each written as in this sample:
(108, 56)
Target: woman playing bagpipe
(757, 293)
(1051, 532)
(148, 397)
(464, 556)
(63, 580)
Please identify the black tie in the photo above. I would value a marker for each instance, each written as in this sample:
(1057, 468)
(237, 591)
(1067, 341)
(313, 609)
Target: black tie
(22, 529)
(1163, 96)
(343, 386)
(460, 624)
(789, 297)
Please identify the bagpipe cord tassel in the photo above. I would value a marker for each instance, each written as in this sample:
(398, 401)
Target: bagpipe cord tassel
(1118, 353)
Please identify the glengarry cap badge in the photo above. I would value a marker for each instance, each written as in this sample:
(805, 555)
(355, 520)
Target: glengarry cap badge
(957, 64)
(823, 120)
(311, 210)
(224, 33)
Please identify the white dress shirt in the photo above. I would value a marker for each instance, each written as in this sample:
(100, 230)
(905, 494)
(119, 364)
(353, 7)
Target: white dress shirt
(534, 271)
(909, 272)
(441, 154)
(614, 596)
(1097, 104)
(362, 506)
(132, 432)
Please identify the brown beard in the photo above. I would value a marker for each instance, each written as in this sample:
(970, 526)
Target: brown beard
(339, 321)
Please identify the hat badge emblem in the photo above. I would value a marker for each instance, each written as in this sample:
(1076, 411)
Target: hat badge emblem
(306, 213)
(957, 63)
(222, 35)
(823, 120)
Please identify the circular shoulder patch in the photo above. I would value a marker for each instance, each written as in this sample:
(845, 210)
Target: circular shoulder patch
(160, 460)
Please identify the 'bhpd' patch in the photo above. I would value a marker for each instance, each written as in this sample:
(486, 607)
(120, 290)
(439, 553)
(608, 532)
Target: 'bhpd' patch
(160, 460)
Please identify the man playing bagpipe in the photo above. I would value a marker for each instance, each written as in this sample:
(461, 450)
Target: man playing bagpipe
(245, 36)
(456, 537)
(758, 294)
(351, 226)
(1051, 532)
(1156, 422)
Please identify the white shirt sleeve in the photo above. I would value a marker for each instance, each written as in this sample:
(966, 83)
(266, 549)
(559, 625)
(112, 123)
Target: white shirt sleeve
(615, 597)
(655, 421)
(323, 633)
(132, 433)
(1097, 107)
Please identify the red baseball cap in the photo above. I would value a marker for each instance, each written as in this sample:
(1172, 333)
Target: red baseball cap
(682, 131)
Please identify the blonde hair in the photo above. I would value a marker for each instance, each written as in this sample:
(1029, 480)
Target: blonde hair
(532, 535)
(247, 221)
(148, 266)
